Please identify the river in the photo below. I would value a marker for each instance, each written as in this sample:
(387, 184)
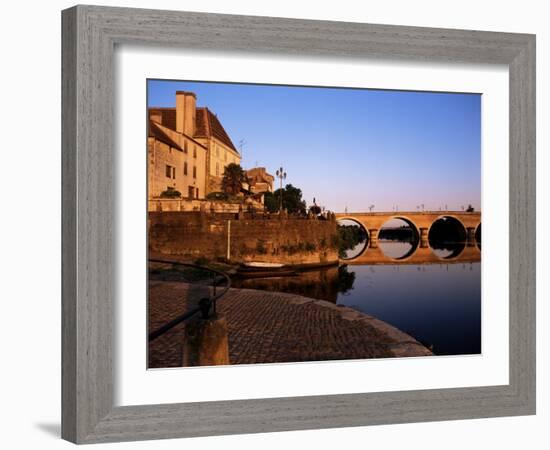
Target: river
(439, 304)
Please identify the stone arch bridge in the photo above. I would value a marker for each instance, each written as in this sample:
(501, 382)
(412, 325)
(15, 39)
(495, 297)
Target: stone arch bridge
(419, 221)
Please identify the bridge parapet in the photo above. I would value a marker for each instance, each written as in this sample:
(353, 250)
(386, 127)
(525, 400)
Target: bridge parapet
(421, 221)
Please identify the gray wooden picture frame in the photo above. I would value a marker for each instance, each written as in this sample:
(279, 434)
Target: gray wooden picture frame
(90, 34)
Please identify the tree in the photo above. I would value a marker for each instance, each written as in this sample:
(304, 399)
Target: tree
(470, 208)
(292, 200)
(315, 210)
(271, 202)
(233, 178)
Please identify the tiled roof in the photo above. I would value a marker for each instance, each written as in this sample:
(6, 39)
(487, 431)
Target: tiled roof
(207, 124)
(156, 131)
(168, 116)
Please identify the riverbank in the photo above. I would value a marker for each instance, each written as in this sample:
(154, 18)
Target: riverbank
(239, 238)
(275, 327)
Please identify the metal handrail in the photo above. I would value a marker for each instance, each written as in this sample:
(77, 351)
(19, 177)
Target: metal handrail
(204, 303)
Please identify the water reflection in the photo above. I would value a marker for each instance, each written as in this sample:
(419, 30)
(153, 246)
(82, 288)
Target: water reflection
(397, 249)
(447, 250)
(353, 239)
(438, 304)
(398, 238)
(323, 284)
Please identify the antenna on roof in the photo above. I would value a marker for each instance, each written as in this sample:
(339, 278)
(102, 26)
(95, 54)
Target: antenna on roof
(242, 143)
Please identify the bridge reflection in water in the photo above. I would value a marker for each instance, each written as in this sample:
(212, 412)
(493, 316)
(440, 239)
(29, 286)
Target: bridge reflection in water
(465, 252)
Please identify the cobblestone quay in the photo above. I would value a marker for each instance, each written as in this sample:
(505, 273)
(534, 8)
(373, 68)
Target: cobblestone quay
(275, 327)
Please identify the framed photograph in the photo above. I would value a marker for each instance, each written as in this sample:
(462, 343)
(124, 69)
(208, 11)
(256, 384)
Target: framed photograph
(276, 224)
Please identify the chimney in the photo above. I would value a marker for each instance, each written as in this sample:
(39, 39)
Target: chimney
(186, 110)
(190, 113)
(180, 111)
(155, 115)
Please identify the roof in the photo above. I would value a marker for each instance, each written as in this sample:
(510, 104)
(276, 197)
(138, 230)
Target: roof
(158, 133)
(168, 116)
(207, 124)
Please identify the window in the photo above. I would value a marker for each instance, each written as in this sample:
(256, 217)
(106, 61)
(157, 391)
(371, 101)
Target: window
(194, 151)
(218, 151)
(194, 171)
(170, 172)
(185, 146)
(185, 168)
(217, 169)
(225, 156)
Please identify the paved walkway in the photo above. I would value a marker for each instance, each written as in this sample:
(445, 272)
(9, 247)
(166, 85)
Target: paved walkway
(273, 327)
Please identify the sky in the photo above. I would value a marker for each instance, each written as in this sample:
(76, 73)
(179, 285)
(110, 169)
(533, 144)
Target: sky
(352, 148)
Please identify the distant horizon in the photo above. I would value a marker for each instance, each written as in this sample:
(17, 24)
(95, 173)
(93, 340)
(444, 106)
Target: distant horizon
(352, 149)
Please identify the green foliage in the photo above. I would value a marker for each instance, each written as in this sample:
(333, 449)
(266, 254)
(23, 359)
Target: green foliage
(315, 210)
(292, 200)
(299, 247)
(260, 247)
(345, 279)
(349, 237)
(243, 249)
(233, 178)
(170, 193)
(271, 202)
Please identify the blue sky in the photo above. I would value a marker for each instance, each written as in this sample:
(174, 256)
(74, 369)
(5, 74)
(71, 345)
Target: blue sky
(352, 147)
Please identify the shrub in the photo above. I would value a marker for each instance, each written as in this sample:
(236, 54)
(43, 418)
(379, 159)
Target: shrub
(170, 193)
(260, 247)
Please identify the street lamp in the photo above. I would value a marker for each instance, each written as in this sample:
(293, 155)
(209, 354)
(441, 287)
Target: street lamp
(281, 174)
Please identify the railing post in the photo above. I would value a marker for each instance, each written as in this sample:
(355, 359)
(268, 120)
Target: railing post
(206, 342)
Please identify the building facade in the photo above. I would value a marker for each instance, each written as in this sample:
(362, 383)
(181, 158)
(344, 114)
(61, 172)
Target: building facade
(188, 149)
(259, 182)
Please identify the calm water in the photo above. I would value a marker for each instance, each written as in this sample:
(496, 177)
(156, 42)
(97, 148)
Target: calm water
(438, 304)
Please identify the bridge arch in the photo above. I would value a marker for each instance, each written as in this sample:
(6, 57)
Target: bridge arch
(365, 230)
(448, 216)
(439, 246)
(416, 235)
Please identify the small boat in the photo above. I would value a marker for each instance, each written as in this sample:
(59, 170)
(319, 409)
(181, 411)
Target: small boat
(264, 269)
(263, 265)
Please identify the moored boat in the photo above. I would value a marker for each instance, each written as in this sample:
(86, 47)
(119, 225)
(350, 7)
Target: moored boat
(264, 269)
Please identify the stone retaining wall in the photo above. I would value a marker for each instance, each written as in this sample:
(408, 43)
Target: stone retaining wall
(288, 240)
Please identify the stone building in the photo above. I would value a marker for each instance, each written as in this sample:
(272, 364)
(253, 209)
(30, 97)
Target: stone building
(259, 182)
(188, 149)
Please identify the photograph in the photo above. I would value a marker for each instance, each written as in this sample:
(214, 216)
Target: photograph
(296, 223)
